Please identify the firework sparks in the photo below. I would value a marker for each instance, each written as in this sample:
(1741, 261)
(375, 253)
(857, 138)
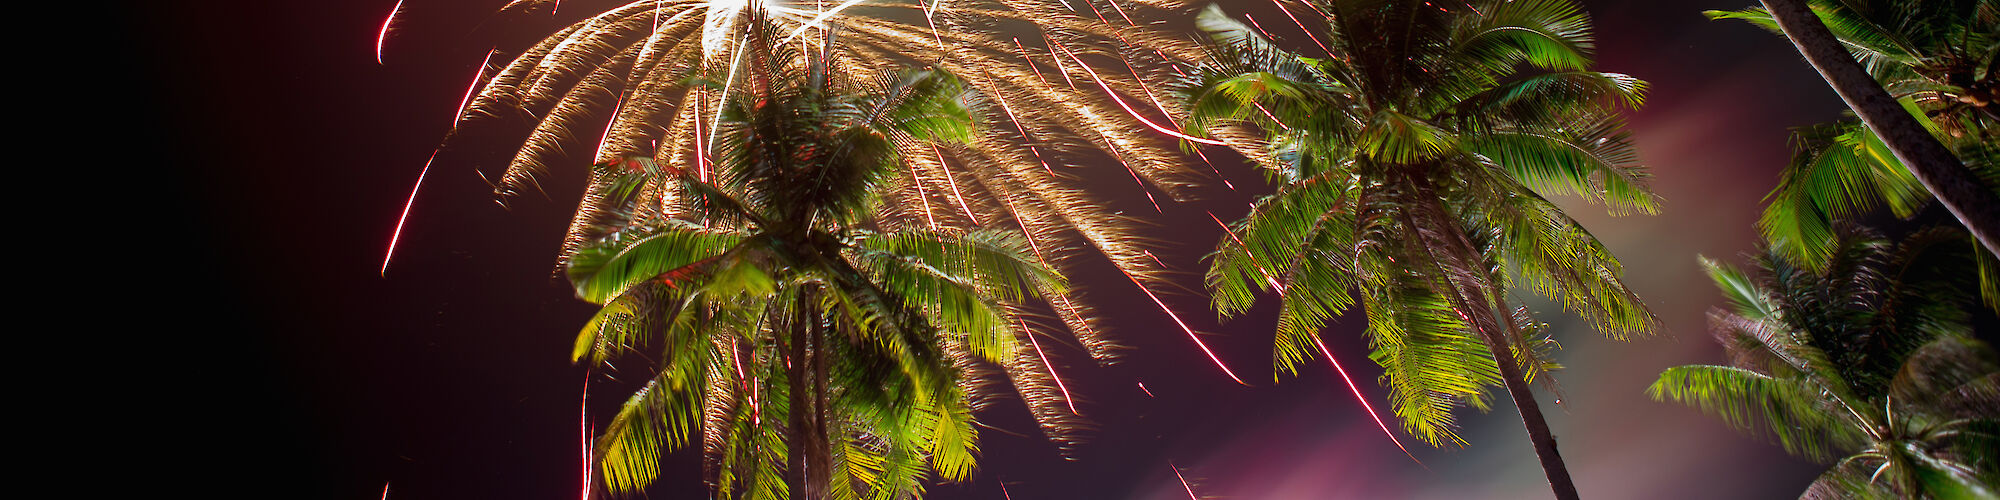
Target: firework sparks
(1302, 27)
(476, 79)
(383, 37)
(948, 179)
(1128, 107)
(1051, 367)
(1184, 481)
(1363, 399)
(1108, 146)
(1142, 388)
(398, 234)
(385, 490)
(1185, 328)
(583, 425)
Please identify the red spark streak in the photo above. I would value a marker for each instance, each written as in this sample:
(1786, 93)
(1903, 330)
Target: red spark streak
(1156, 258)
(1185, 328)
(1275, 285)
(923, 197)
(1135, 174)
(383, 37)
(476, 77)
(606, 138)
(385, 491)
(1025, 138)
(1121, 12)
(1184, 483)
(1362, 399)
(1003, 489)
(1142, 388)
(1302, 27)
(1031, 62)
(946, 167)
(1059, 64)
(583, 425)
(1052, 368)
(1128, 107)
(398, 235)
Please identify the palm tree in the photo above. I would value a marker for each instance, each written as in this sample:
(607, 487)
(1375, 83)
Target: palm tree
(1842, 171)
(1941, 50)
(818, 351)
(1412, 164)
(1869, 361)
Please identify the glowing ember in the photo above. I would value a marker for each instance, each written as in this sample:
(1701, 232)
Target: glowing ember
(1052, 368)
(1364, 400)
(398, 234)
(383, 37)
(1128, 107)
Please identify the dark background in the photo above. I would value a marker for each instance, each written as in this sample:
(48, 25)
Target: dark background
(275, 156)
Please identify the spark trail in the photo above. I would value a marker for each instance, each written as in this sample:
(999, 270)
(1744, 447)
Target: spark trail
(1067, 400)
(1184, 483)
(1364, 400)
(383, 37)
(1184, 328)
(398, 234)
(1128, 107)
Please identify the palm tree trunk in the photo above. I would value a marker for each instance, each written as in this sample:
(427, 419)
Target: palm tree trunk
(1932, 164)
(1479, 311)
(795, 375)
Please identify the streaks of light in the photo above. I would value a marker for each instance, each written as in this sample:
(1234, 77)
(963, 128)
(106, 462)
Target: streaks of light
(1029, 62)
(1025, 138)
(954, 184)
(1302, 27)
(383, 37)
(1135, 174)
(1067, 400)
(1185, 328)
(1275, 285)
(1184, 483)
(1128, 107)
(1142, 388)
(583, 425)
(1364, 400)
(398, 234)
(385, 490)
(476, 77)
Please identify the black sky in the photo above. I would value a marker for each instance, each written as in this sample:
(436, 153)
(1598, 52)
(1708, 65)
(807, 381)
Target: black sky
(278, 155)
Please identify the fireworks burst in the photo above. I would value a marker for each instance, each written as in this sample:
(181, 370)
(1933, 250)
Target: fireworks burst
(649, 80)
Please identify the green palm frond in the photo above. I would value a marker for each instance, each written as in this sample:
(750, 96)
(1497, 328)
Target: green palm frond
(1788, 410)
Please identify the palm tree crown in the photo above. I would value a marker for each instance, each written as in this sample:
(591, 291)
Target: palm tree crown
(1868, 361)
(817, 352)
(1412, 164)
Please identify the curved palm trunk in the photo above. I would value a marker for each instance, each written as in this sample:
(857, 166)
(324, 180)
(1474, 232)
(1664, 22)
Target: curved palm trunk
(1464, 258)
(807, 458)
(1932, 164)
(795, 376)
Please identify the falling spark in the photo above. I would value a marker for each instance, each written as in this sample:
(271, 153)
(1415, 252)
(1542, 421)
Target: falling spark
(1135, 174)
(1364, 400)
(946, 167)
(385, 490)
(1003, 489)
(1142, 388)
(1185, 328)
(398, 234)
(1031, 62)
(383, 37)
(1302, 27)
(1156, 258)
(1121, 13)
(605, 139)
(1260, 27)
(476, 77)
(1184, 483)
(1275, 285)
(1128, 107)
(1025, 138)
(1059, 63)
(1052, 368)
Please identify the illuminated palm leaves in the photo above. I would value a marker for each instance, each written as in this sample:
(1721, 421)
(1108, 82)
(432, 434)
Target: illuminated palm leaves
(656, 81)
(1038, 109)
(1413, 162)
(1869, 362)
(792, 331)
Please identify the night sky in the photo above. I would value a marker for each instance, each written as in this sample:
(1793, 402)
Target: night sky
(279, 155)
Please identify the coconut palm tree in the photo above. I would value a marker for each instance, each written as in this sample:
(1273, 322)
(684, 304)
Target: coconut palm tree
(1869, 361)
(1842, 171)
(817, 351)
(1412, 164)
(1940, 51)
